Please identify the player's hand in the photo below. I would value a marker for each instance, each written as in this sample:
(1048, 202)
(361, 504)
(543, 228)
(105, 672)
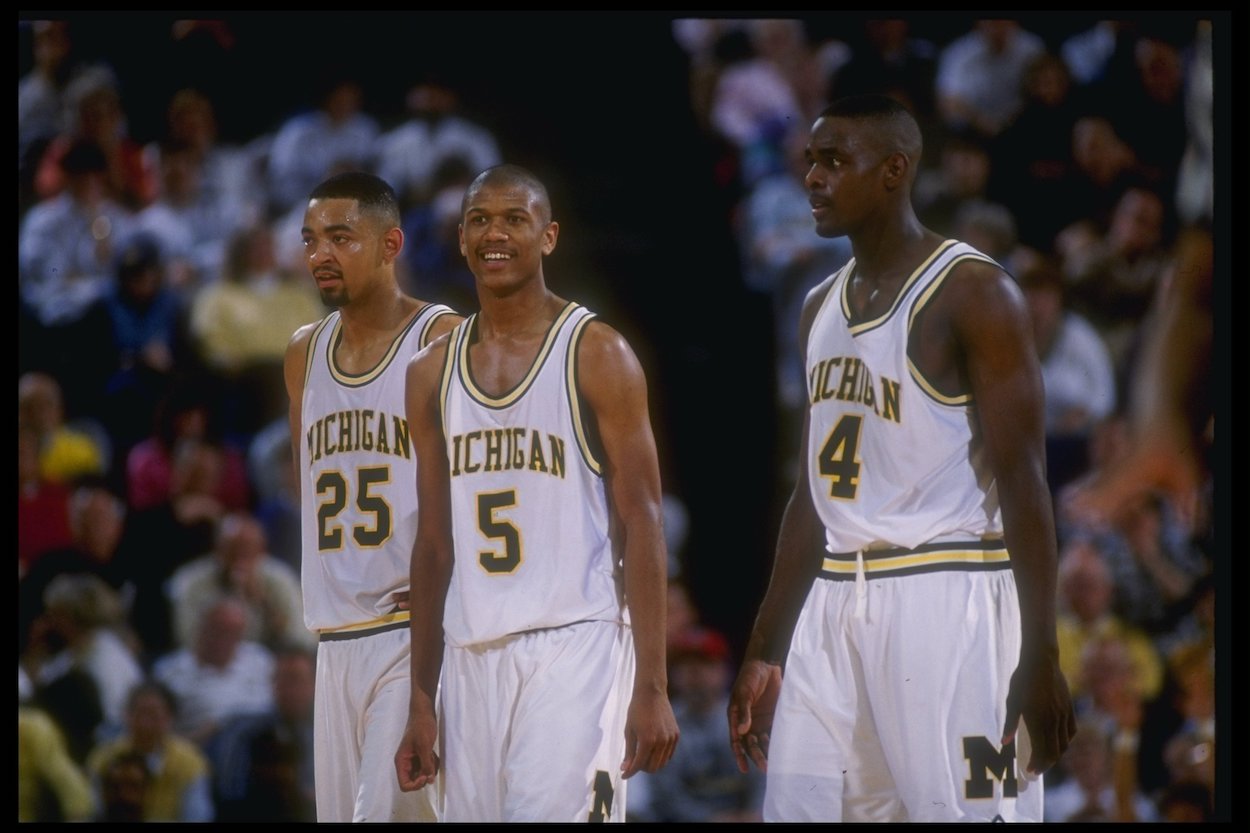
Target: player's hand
(416, 762)
(650, 733)
(400, 598)
(1158, 463)
(1039, 695)
(752, 702)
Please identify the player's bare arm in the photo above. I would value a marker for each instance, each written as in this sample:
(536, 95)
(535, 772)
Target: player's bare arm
(440, 326)
(416, 760)
(1168, 404)
(612, 383)
(294, 366)
(753, 697)
(989, 325)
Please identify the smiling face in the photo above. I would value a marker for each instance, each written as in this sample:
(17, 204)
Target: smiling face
(505, 232)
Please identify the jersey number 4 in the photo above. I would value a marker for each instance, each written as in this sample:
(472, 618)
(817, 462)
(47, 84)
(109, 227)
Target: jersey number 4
(839, 458)
(333, 488)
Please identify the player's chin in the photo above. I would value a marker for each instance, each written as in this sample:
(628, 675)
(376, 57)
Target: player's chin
(333, 296)
(829, 230)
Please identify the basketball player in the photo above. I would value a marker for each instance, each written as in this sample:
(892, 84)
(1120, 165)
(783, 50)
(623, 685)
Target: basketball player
(915, 643)
(345, 378)
(539, 550)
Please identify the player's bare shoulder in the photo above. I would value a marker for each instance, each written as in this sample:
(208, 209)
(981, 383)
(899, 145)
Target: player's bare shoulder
(298, 344)
(425, 368)
(605, 358)
(295, 361)
(444, 322)
(979, 293)
(812, 303)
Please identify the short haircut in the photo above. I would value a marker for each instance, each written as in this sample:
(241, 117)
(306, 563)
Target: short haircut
(373, 194)
(510, 175)
(898, 129)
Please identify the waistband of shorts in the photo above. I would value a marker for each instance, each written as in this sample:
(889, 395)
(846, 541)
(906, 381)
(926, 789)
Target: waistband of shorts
(939, 556)
(390, 622)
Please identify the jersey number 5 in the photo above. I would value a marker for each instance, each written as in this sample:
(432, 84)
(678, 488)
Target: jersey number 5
(839, 460)
(332, 489)
(504, 531)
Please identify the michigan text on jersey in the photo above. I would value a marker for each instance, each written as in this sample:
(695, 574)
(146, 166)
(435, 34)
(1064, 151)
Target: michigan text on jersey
(854, 384)
(358, 430)
(506, 449)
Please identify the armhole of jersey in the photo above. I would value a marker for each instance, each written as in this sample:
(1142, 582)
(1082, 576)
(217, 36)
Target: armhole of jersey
(926, 295)
(437, 312)
(449, 362)
(837, 291)
(312, 345)
(575, 398)
(900, 300)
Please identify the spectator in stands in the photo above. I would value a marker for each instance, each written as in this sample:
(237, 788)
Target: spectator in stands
(67, 241)
(240, 567)
(221, 676)
(177, 785)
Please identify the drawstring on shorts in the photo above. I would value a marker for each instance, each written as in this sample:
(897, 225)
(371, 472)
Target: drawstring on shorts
(861, 587)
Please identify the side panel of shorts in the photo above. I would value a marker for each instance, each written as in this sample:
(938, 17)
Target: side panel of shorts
(534, 726)
(919, 682)
(360, 713)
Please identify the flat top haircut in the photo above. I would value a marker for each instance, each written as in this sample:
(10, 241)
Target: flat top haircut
(897, 129)
(373, 194)
(511, 175)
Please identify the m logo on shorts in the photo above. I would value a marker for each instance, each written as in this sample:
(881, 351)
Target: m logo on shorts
(601, 800)
(987, 763)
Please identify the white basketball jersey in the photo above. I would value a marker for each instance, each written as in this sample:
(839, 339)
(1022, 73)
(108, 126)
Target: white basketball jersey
(529, 507)
(892, 462)
(358, 492)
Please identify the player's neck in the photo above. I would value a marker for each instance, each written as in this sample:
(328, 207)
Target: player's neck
(525, 312)
(379, 314)
(881, 253)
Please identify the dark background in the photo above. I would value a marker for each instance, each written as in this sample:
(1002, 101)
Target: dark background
(597, 105)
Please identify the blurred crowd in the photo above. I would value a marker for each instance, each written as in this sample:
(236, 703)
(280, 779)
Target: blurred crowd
(1081, 160)
(164, 669)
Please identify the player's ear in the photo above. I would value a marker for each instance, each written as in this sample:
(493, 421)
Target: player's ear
(464, 250)
(896, 168)
(392, 244)
(550, 234)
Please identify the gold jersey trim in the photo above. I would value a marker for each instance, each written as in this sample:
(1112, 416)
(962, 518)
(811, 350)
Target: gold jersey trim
(358, 380)
(449, 363)
(518, 390)
(865, 326)
(926, 296)
(312, 346)
(439, 311)
(575, 398)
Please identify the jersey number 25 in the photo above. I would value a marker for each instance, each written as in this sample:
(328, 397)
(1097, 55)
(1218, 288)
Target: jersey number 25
(332, 488)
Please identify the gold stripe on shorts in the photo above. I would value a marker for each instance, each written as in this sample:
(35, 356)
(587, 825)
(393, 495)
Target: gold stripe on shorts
(945, 556)
(389, 622)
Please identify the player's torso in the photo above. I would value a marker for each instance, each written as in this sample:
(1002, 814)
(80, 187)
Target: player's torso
(359, 480)
(529, 508)
(891, 461)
